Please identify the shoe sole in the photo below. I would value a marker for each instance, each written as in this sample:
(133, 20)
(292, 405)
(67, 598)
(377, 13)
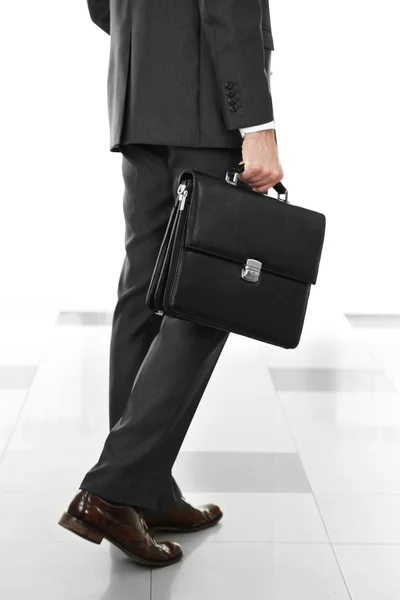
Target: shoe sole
(161, 529)
(90, 533)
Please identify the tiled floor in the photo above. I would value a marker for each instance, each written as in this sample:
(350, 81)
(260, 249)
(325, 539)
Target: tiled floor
(304, 460)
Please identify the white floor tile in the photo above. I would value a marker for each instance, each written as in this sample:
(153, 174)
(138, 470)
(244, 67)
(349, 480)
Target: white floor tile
(67, 407)
(321, 351)
(242, 368)
(341, 422)
(26, 326)
(253, 570)
(384, 346)
(36, 514)
(361, 472)
(238, 412)
(372, 321)
(371, 571)
(328, 340)
(361, 518)
(77, 571)
(23, 471)
(10, 406)
(17, 377)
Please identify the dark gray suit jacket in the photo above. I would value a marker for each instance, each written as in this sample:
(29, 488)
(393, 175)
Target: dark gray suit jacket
(186, 72)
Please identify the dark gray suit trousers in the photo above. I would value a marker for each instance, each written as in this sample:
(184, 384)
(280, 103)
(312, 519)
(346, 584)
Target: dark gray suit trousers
(159, 366)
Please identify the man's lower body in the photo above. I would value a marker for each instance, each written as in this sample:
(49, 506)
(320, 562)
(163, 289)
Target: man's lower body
(159, 366)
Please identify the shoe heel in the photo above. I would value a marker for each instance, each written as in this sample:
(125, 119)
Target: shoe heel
(80, 528)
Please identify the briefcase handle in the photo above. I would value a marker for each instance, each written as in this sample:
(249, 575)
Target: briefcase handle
(232, 177)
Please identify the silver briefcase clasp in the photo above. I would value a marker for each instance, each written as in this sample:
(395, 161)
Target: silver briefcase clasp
(251, 270)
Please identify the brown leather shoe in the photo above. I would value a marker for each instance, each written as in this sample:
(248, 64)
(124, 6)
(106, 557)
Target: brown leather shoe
(93, 518)
(184, 518)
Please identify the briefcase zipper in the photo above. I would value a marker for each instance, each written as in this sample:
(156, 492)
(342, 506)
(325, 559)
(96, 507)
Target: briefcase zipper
(183, 192)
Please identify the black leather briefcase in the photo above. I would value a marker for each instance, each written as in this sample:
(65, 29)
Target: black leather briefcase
(237, 260)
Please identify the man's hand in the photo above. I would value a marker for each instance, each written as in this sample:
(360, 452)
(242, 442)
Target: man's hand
(260, 153)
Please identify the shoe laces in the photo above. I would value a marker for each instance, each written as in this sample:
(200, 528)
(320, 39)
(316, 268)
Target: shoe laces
(143, 522)
(190, 506)
(149, 537)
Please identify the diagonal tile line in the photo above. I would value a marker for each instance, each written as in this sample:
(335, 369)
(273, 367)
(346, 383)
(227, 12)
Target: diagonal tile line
(17, 420)
(282, 408)
(378, 362)
(284, 417)
(23, 404)
(151, 584)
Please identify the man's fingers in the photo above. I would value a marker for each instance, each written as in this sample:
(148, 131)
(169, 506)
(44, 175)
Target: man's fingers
(265, 184)
(259, 175)
(262, 190)
(259, 182)
(260, 156)
(256, 180)
(252, 173)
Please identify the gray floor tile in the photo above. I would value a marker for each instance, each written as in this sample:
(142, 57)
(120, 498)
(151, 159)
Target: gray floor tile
(374, 321)
(275, 517)
(254, 472)
(16, 377)
(331, 380)
(85, 318)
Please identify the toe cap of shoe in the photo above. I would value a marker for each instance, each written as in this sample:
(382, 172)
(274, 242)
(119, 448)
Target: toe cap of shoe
(172, 548)
(213, 511)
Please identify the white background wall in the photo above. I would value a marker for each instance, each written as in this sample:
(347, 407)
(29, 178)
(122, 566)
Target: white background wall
(336, 98)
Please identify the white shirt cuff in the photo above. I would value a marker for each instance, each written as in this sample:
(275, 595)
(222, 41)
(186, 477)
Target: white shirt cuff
(269, 125)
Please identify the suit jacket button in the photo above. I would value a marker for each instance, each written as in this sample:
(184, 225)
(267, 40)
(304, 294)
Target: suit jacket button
(229, 85)
(232, 100)
(230, 93)
(233, 107)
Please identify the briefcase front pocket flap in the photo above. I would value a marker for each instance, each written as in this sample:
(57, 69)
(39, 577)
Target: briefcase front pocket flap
(238, 224)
